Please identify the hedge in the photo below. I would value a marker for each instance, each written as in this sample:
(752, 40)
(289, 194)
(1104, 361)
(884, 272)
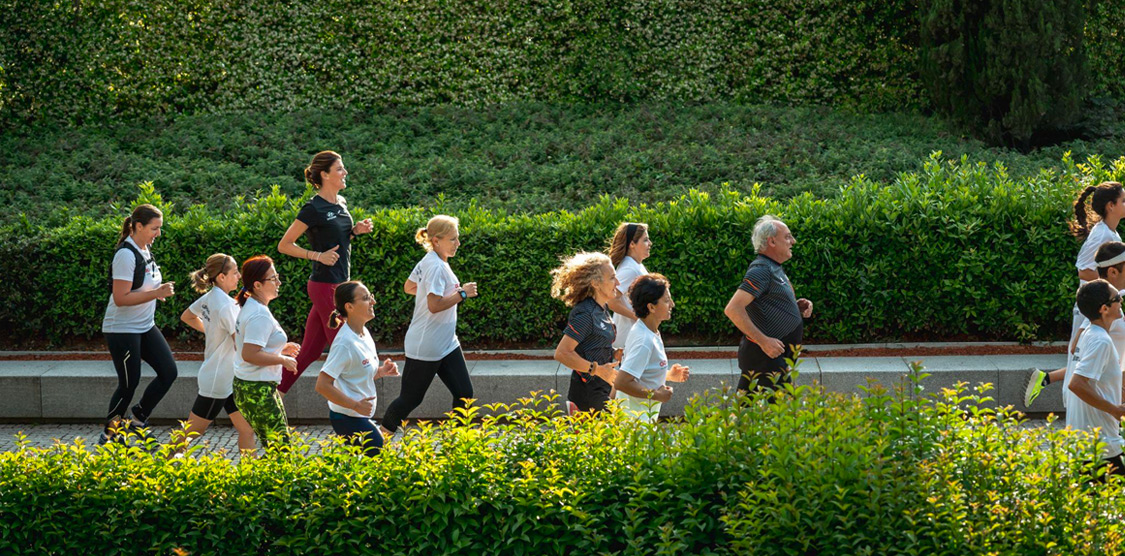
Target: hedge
(521, 157)
(956, 250)
(891, 472)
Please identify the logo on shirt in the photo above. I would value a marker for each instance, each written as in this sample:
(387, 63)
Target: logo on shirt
(601, 324)
(330, 215)
(663, 363)
(366, 362)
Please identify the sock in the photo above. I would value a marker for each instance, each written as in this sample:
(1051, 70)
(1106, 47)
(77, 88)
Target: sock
(1046, 378)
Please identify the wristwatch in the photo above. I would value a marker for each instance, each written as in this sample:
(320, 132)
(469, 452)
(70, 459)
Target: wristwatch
(464, 295)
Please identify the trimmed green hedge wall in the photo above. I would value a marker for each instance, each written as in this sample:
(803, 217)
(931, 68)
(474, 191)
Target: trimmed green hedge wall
(956, 250)
(891, 473)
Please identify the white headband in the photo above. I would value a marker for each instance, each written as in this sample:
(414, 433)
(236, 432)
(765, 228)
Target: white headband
(1111, 262)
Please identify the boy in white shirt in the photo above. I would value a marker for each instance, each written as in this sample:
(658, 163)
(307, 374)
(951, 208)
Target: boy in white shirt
(1095, 388)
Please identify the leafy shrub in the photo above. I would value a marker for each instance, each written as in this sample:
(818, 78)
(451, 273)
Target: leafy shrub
(889, 472)
(520, 157)
(1011, 69)
(957, 249)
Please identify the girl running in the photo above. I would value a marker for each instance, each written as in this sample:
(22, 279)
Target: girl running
(642, 383)
(263, 350)
(130, 325)
(214, 314)
(628, 251)
(348, 378)
(327, 224)
(586, 283)
(1107, 202)
(431, 343)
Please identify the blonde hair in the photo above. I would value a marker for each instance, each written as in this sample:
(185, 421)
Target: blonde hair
(627, 233)
(574, 280)
(204, 278)
(439, 226)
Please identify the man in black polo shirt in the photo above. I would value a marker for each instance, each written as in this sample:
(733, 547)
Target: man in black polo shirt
(766, 309)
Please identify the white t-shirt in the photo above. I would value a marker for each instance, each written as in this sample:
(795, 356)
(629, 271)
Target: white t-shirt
(352, 361)
(134, 319)
(1116, 333)
(644, 357)
(1099, 235)
(218, 312)
(1099, 363)
(256, 325)
(432, 336)
(627, 273)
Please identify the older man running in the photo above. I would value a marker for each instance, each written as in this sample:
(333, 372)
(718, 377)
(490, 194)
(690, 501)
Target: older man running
(766, 310)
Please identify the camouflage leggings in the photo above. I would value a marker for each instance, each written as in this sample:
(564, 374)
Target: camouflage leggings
(260, 404)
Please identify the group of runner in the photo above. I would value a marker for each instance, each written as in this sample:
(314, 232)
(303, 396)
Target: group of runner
(611, 341)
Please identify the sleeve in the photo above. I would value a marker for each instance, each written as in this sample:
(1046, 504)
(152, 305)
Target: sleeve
(308, 215)
(1089, 250)
(339, 358)
(124, 264)
(625, 277)
(638, 350)
(258, 330)
(579, 325)
(434, 280)
(1093, 362)
(757, 281)
(196, 307)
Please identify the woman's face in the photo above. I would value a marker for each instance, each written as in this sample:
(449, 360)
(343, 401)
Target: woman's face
(640, 248)
(336, 178)
(606, 285)
(1117, 208)
(662, 309)
(228, 280)
(447, 246)
(362, 305)
(145, 234)
(270, 286)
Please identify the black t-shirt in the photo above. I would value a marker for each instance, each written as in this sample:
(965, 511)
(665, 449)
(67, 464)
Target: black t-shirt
(592, 327)
(329, 225)
(774, 309)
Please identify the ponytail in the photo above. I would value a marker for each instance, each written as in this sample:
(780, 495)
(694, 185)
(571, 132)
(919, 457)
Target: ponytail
(242, 296)
(126, 228)
(204, 278)
(335, 319)
(439, 226)
(1103, 194)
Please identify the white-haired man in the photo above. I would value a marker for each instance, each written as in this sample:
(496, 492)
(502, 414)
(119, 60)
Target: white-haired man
(766, 310)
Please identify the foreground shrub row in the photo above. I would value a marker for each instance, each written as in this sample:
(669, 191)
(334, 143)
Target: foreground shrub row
(520, 157)
(957, 249)
(813, 473)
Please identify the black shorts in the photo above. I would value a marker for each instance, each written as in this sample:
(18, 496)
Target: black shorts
(209, 408)
(769, 372)
(588, 392)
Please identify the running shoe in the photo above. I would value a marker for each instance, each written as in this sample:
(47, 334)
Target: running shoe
(1035, 383)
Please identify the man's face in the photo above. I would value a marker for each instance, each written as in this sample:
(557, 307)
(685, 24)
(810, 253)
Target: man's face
(780, 246)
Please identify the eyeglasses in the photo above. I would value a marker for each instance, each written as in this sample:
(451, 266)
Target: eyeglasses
(274, 278)
(1114, 299)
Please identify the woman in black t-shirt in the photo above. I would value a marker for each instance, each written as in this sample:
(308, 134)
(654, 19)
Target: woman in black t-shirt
(587, 282)
(328, 225)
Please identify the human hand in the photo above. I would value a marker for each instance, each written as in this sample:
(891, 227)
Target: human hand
(329, 257)
(679, 373)
(291, 349)
(364, 406)
(470, 289)
(289, 363)
(389, 368)
(166, 290)
(662, 394)
(805, 306)
(607, 371)
(772, 347)
(363, 227)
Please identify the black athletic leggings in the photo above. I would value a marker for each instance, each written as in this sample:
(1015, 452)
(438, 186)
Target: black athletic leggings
(127, 351)
(416, 378)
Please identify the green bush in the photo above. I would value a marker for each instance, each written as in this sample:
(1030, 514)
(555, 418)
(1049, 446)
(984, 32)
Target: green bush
(520, 157)
(1013, 70)
(956, 250)
(888, 472)
(85, 61)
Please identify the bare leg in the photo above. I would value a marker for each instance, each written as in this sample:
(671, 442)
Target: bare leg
(246, 440)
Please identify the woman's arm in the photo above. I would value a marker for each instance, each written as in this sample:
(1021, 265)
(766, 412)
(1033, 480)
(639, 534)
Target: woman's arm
(191, 319)
(288, 244)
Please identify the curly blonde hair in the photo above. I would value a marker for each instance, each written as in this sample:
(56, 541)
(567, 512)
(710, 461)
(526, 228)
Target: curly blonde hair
(575, 279)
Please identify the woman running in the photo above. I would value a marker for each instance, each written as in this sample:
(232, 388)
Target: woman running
(327, 224)
(1107, 202)
(348, 378)
(642, 383)
(214, 314)
(431, 343)
(586, 283)
(628, 251)
(130, 325)
(263, 350)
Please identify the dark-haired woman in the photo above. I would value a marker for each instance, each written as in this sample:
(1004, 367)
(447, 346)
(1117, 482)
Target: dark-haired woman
(328, 226)
(263, 351)
(642, 381)
(586, 282)
(130, 325)
(1106, 203)
(628, 251)
(214, 314)
(347, 379)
